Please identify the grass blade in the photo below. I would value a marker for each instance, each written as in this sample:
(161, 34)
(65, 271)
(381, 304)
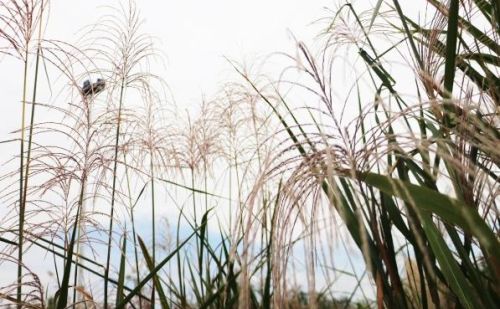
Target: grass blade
(121, 273)
(431, 202)
(451, 47)
(153, 272)
(156, 281)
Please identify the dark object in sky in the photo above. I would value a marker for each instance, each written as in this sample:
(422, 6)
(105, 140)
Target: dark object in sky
(93, 89)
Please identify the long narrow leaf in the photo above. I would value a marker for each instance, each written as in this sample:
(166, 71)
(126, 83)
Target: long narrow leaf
(156, 282)
(448, 209)
(153, 272)
(121, 273)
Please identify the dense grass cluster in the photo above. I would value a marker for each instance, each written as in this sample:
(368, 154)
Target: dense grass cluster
(371, 160)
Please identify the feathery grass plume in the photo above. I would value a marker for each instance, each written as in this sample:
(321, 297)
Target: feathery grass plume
(247, 139)
(197, 149)
(123, 53)
(393, 138)
(19, 21)
(33, 294)
(242, 129)
(66, 162)
(81, 166)
(84, 130)
(151, 149)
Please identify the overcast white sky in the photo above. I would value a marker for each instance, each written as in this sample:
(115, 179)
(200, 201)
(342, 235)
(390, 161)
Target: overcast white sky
(194, 35)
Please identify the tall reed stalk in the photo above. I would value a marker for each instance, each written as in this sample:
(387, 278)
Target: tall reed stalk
(62, 299)
(24, 171)
(134, 234)
(113, 191)
(153, 219)
(21, 190)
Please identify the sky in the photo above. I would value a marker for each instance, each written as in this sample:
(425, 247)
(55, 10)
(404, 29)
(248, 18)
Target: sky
(194, 36)
(194, 39)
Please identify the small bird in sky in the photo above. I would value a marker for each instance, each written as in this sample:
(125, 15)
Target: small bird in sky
(89, 88)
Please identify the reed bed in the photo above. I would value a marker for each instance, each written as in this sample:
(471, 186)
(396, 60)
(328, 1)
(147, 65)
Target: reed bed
(363, 175)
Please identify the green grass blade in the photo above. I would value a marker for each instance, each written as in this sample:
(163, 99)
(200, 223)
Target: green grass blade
(113, 191)
(452, 272)
(63, 296)
(90, 269)
(376, 9)
(451, 47)
(121, 273)
(156, 281)
(469, 27)
(429, 201)
(408, 35)
(153, 272)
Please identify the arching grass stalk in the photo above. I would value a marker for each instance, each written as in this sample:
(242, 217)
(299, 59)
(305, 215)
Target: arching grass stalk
(113, 191)
(198, 245)
(80, 228)
(153, 219)
(63, 295)
(23, 188)
(122, 271)
(21, 191)
(134, 235)
(81, 231)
